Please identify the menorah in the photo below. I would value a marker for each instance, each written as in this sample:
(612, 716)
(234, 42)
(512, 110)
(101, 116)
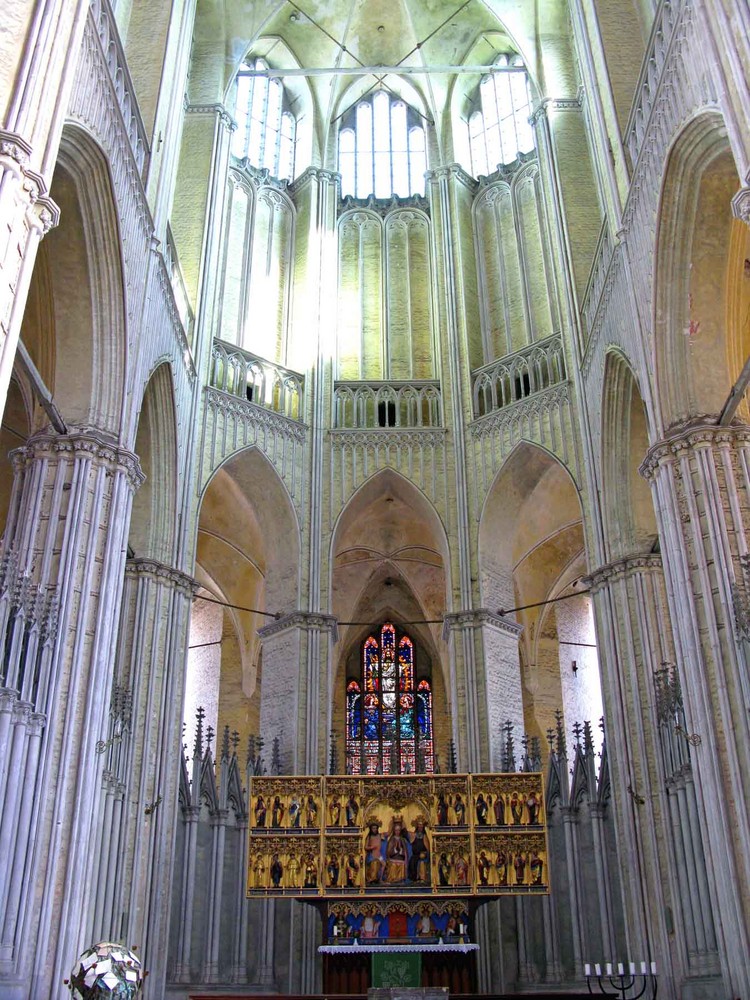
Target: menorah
(630, 985)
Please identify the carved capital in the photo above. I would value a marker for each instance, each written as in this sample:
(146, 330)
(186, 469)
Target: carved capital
(623, 568)
(477, 618)
(162, 573)
(741, 205)
(692, 435)
(77, 446)
(452, 171)
(306, 620)
(215, 109)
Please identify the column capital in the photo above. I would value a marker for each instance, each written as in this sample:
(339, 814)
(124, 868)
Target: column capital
(623, 568)
(82, 444)
(315, 175)
(692, 435)
(548, 104)
(452, 171)
(477, 618)
(741, 205)
(15, 155)
(136, 568)
(307, 620)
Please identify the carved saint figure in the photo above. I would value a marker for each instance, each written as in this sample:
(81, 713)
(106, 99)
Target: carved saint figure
(277, 871)
(419, 862)
(333, 870)
(519, 863)
(462, 870)
(424, 925)
(277, 812)
(499, 808)
(483, 869)
(516, 808)
(295, 812)
(481, 810)
(536, 866)
(311, 872)
(373, 853)
(352, 811)
(352, 871)
(444, 870)
(311, 812)
(259, 867)
(370, 925)
(459, 808)
(442, 810)
(260, 811)
(396, 852)
(334, 811)
(532, 804)
(501, 867)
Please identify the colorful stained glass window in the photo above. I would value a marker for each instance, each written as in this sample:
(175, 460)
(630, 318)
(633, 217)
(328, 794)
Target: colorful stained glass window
(388, 713)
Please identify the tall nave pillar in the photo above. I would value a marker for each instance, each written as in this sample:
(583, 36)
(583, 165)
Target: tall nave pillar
(699, 475)
(63, 558)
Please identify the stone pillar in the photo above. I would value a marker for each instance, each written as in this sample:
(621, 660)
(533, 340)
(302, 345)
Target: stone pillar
(635, 639)
(182, 972)
(66, 536)
(239, 951)
(699, 479)
(570, 821)
(150, 667)
(210, 971)
(40, 49)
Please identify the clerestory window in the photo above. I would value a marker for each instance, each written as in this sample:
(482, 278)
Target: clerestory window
(266, 127)
(388, 711)
(382, 149)
(499, 127)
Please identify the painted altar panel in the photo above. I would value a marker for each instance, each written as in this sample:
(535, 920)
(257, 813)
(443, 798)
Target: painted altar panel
(404, 836)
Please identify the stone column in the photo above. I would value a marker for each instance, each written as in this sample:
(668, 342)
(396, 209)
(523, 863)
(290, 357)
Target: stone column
(701, 488)
(40, 50)
(239, 951)
(210, 971)
(150, 667)
(635, 639)
(66, 534)
(574, 893)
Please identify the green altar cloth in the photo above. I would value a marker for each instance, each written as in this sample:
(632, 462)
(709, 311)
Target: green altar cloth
(391, 969)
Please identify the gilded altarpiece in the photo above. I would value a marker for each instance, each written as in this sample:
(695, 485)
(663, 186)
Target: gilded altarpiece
(338, 837)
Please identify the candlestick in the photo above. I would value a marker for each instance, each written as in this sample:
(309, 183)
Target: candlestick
(643, 968)
(609, 968)
(598, 969)
(587, 969)
(653, 968)
(632, 968)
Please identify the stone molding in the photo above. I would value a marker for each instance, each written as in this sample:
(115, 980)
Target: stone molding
(388, 436)
(307, 620)
(162, 573)
(314, 175)
(258, 177)
(507, 171)
(384, 206)
(557, 104)
(217, 109)
(81, 445)
(15, 153)
(621, 569)
(478, 618)
(741, 205)
(540, 402)
(690, 436)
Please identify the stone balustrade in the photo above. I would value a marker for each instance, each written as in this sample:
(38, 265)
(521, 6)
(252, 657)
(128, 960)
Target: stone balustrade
(519, 375)
(264, 383)
(177, 282)
(387, 404)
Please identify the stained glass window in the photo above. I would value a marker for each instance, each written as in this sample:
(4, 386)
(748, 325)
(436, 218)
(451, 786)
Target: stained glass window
(266, 129)
(499, 127)
(382, 149)
(388, 712)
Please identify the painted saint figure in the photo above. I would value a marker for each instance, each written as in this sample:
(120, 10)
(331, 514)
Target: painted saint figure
(499, 808)
(536, 866)
(444, 870)
(501, 867)
(519, 864)
(352, 811)
(352, 871)
(516, 808)
(311, 872)
(260, 811)
(259, 867)
(334, 811)
(442, 810)
(459, 809)
(483, 869)
(311, 812)
(295, 812)
(532, 804)
(462, 870)
(277, 812)
(292, 866)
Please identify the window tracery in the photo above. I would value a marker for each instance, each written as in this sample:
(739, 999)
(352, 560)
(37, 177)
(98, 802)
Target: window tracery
(388, 711)
(266, 128)
(382, 149)
(499, 127)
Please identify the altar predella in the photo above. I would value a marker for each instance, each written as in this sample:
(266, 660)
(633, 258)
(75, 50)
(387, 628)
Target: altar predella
(371, 835)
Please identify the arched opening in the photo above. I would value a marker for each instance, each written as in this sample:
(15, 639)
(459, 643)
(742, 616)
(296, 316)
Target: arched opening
(248, 555)
(628, 507)
(531, 550)
(152, 522)
(701, 335)
(390, 564)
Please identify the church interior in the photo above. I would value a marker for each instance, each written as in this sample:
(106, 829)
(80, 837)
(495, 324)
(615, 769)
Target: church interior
(375, 496)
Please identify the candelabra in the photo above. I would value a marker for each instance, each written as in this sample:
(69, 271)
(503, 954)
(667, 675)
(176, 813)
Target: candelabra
(622, 985)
